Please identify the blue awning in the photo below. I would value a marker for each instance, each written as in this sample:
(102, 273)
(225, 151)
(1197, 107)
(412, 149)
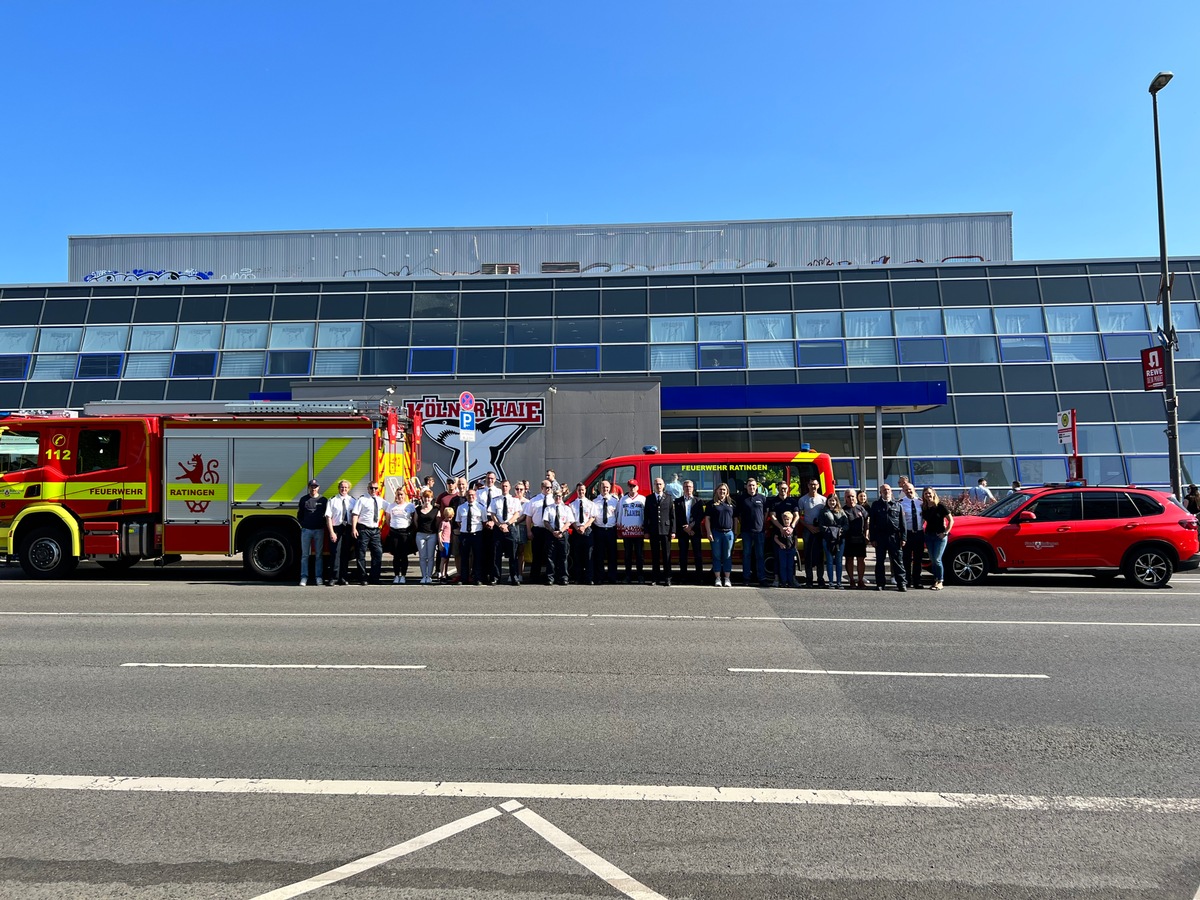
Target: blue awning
(803, 399)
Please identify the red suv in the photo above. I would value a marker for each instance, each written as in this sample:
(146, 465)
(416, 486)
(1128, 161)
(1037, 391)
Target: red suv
(1145, 534)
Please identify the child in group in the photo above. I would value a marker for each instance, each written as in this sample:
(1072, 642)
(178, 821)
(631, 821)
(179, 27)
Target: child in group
(444, 540)
(785, 549)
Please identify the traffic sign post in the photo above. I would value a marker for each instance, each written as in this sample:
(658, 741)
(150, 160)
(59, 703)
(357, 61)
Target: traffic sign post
(466, 427)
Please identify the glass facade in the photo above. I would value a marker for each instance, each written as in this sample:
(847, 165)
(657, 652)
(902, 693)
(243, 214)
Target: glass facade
(1015, 343)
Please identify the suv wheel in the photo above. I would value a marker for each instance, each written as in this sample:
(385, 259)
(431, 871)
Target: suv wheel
(967, 564)
(1148, 567)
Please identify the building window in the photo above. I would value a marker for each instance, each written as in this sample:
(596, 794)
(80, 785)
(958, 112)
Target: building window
(194, 365)
(937, 471)
(148, 365)
(722, 356)
(198, 337)
(1124, 346)
(249, 336)
(100, 365)
(243, 365)
(922, 350)
(1024, 349)
(431, 360)
(289, 362)
(113, 338)
(672, 329)
(818, 324)
(820, 353)
(672, 357)
(1020, 320)
(14, 368)
(1075, 347)
(577, 359)
(336, 362)
(720, 328)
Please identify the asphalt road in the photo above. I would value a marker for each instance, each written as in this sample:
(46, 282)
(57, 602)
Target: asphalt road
(1038, 737)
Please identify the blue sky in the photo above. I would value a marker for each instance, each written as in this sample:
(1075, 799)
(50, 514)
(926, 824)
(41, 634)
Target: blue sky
(149, 117)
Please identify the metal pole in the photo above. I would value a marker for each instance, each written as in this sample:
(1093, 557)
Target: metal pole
(878, 446)
(862, 452)
(1164, 292)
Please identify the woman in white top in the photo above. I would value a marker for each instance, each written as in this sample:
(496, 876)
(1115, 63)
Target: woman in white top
(400, 520)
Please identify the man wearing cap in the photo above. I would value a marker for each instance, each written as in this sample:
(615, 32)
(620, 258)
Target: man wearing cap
(311, 515)
(364, 526)
(631, 519)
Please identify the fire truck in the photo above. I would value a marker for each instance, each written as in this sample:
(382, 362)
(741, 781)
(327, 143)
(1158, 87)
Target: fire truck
(121, 488)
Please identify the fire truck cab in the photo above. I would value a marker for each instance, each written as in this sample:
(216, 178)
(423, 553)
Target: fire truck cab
(118, 489)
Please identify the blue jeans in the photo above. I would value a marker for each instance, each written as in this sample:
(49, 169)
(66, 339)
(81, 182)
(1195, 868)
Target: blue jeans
(722, 552)
(833, 561)
(753, 565)
(311, 540)
(937, 546)
(785, 566)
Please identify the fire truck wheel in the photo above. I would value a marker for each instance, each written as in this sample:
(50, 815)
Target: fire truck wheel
(268, 554)
(46, 553)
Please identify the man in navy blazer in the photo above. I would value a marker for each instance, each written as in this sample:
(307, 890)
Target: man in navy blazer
(660, 528)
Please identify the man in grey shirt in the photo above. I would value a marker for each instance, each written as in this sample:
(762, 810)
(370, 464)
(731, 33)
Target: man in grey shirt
(811, 505)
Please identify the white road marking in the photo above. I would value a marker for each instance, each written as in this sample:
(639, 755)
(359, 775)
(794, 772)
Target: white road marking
(163, 665)
(895, 674)
(623, 882)
(675, 618)
(383, 856)
(630, 792)
(1136, 592)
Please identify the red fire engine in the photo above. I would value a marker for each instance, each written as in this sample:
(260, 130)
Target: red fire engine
(118, 489)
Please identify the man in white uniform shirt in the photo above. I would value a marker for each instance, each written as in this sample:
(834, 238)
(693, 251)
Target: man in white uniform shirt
(504, 510)
(555, 519)
(364, 526)
(471, 516)
(486, 494)
(583, 511)
(604, 534)
(341, 539)
(914, 542)
(537, 534)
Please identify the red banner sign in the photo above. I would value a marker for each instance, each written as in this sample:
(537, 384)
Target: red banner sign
(1153, 371)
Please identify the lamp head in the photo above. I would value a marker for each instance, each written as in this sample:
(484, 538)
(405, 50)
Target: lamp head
(1160, 81)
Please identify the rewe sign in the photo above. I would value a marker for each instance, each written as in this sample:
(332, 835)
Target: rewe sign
(1153, 373)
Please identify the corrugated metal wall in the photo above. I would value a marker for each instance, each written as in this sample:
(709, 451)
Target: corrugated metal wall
(597, 249)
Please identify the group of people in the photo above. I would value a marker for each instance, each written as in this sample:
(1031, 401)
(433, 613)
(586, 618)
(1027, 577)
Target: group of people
(485, 530)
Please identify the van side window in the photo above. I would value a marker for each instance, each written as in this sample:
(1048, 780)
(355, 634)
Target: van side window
(98, 450)
(18, 451)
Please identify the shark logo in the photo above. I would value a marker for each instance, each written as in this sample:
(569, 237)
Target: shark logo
(498, 425)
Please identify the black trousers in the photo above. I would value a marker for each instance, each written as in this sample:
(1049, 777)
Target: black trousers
(691, 545)
(660, 556)
(539, 538)
(398, 547)
(341, 552)
(505, 546)
(556, 556)
(914, 557)
(369, 541)
(491, 570)
(814, 557)
(889, 548)
(581, 556)
(635, 553)
(604, 553)
(470, 545)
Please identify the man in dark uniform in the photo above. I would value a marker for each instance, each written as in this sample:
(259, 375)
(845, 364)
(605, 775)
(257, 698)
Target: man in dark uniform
(886, 524)
(660, 526)
(689, 523)
(752, 516)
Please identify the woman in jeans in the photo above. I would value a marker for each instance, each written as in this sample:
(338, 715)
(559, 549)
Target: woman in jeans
(938, 522)
(427, 535)
(718, 528)
(833, 522)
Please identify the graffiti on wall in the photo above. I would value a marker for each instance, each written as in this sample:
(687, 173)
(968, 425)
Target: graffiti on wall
(499, 423)
(605, 268)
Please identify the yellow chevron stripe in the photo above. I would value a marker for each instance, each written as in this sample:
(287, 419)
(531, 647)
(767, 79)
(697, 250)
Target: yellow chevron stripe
(358, 470)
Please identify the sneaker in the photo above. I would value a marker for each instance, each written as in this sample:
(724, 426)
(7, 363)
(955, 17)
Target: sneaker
(727, 582)
(303, 582)
(718, 583)
(319, 581)
(397, 580)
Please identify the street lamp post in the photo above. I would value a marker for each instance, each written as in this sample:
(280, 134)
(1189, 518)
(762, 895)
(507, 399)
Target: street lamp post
(1169, 340)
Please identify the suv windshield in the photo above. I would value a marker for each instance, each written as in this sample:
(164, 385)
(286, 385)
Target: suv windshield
(1005, 507)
